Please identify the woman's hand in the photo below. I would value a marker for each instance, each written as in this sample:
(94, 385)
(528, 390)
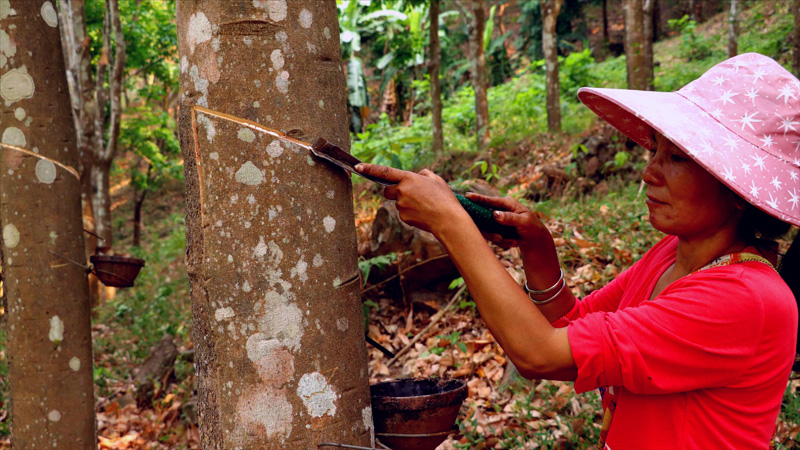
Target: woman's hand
(423, 199)
(509, 211)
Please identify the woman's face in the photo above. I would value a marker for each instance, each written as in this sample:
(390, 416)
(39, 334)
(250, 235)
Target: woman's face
(683, 198)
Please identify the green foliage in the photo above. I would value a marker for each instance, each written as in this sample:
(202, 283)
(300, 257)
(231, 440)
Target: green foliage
(693, 46)
(487, 174)
(380, 262)
(774, 40)
(150, 134)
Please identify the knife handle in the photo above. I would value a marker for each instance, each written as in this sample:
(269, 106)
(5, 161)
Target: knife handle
(484, 219)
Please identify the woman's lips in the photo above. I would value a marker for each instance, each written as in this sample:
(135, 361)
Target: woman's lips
(653, 201)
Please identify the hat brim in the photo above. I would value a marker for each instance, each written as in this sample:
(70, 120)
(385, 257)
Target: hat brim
(738, 164)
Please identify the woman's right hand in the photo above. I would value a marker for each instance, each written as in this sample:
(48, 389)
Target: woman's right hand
(509, 211)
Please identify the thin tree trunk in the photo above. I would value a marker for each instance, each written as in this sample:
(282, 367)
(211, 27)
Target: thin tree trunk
(550, 9)
(796, 38)
(97, 134)
(605, 23)
(634, 44)
(433, 71)
(49, 331)
(137, 217)
(648, 36)
(476, 20)
(733, 30)
(271, 248)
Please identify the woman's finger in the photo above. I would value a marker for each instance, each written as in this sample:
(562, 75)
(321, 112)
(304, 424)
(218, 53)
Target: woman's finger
(501, 203)
(383, 172)
(390, 192)
(509, 218)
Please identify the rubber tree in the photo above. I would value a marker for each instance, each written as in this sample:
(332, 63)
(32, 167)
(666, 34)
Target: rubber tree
(97, 105)
(634, 44)
(796, 38)
(648, 37)
(475, 16)
(733, 29)
(434, 64)
(271, 244)
(550, 9)
(49, 331)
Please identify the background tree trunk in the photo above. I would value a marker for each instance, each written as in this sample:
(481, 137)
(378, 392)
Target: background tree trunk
(733, 30)
(271, 243)
(49, 336)
(550, 9)
(97, 133)
(433, 70)
(796, 38)
(634, 44)
(476, 22)
(604, 6)
(648, 37)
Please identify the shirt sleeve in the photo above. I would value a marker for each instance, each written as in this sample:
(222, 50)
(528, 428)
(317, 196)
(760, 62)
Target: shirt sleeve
(700, 332)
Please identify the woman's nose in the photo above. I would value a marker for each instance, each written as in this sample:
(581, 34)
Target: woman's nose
(652, 172)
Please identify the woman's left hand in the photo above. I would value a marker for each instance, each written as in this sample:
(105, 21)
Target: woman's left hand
(424, 199)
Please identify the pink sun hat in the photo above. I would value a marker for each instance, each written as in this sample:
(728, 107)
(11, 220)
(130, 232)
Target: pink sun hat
(740, 121)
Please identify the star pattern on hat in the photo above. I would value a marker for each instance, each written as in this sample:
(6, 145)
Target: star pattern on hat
(748, 119)
(786, 92)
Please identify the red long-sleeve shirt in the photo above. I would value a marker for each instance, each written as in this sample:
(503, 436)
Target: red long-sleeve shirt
(703, 365)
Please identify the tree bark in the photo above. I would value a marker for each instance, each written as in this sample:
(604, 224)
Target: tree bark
(49, 335)
(271, 244)
(476, 22)
(634, 44)
(550, 9)
(733, 30)
(97, 134)
(796, 38)
(605, 23)
(433, 71)
(648, 36)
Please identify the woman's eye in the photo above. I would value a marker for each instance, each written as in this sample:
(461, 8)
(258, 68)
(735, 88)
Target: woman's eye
(677, 158)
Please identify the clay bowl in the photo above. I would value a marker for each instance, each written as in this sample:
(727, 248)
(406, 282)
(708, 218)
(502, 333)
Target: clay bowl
(116, 271)
(416, 413)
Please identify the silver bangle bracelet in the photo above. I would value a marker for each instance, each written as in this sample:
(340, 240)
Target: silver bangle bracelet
(544, 302)
(548, 290)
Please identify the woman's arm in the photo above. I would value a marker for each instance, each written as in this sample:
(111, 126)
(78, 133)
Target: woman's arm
(537, 348)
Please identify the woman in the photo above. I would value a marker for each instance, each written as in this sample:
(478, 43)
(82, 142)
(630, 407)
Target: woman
(692, 346)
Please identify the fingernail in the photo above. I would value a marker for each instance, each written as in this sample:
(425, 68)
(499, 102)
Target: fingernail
(359, 167)
(496, 213)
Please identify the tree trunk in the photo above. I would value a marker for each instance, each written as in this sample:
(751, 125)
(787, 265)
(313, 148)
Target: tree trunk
(733, 30)
(433, 71)
(605, 23)
(138, 198)
(271, 243)
(97, 134)
(476, 21)
(550, 9)
(49, 335)
(634, 44)
(796, 38)
(648, 36)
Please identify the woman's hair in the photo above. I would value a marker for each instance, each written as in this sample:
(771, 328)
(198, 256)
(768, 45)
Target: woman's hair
(789, 269)
(761, 230)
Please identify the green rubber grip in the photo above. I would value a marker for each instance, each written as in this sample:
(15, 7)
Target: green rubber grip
(484, 219)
